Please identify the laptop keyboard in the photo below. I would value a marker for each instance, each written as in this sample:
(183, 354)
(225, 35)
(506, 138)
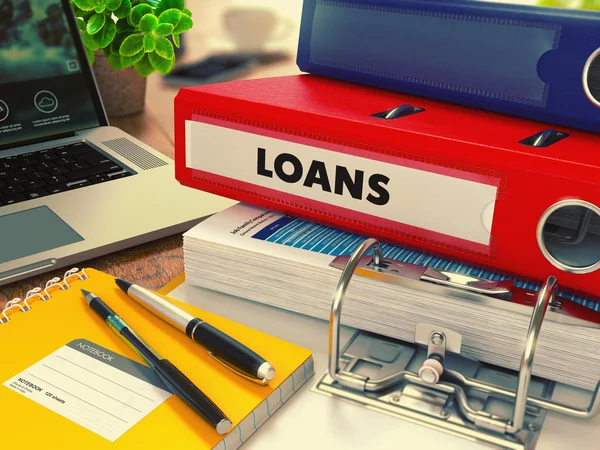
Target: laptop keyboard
(51, 171)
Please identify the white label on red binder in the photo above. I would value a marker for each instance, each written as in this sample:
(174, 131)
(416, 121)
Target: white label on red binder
(440, 200)
(92, 386)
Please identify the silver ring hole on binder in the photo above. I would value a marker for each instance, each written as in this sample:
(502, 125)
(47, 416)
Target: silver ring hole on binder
(591, 75)
(42, 294)
(427, 388)
(568, 235)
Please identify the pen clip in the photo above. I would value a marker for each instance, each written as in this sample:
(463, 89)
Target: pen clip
(261, 381)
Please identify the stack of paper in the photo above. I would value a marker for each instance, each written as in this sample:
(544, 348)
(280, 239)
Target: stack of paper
(284, 262)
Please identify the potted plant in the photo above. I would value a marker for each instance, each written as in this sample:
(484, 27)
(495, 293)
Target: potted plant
(127, 40)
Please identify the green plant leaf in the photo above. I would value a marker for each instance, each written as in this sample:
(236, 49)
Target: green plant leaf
(148, 23)
(95, 23)
(138, 12)
(113, 5)
(123, 10)
(185, 23)
(100, 8)
(164, 29)
(163, 5)
(164, 48)
(143, 66)
(106, 35)
(171, 16)
(85, 5)
(91, 56)
(176, 40)
(149, 43)
(89, 42)
(106, 51)
(186, 11)
(81, 13)
(132, 45)
(114, 61)
(128, 61)
(81, 24)
(115, 45)
(161, 64)
(124, 25)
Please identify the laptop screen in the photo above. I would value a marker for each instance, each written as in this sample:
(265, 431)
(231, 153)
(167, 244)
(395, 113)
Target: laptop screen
(46, 88)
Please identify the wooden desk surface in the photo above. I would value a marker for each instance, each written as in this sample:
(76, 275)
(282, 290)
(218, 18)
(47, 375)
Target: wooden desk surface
(154, 264)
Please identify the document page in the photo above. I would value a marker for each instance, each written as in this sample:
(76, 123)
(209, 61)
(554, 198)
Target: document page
(282, 236)
(92, 386)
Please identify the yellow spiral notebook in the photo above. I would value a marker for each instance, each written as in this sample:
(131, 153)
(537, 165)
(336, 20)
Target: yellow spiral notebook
(67, 381)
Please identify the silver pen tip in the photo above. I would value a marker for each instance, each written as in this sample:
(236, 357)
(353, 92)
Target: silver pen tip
(223, 426)
(88, 295)
(266, 371)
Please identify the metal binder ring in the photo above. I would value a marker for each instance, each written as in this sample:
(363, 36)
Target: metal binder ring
(336, 309)
(454, 383)
(14, 301)
(545, 298)
(51, 283)
(74, 272)
(35, 292)
(68, 274)
(41, 293)
(13, 306)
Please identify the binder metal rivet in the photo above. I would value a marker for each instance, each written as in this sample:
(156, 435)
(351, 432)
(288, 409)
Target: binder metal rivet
(433, 367)
(437, 338)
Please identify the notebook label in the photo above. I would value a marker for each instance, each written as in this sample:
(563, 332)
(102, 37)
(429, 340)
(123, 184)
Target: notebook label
(93, 387)
(446, 202)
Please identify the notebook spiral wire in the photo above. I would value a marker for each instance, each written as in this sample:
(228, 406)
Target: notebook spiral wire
(43, 294)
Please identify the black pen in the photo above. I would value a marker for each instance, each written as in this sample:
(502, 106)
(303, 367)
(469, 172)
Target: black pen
(224, 348)
(176, 381)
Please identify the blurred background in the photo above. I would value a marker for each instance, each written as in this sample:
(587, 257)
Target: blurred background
(251, 27)
(217, 23)
(242, 39)
(271, 26)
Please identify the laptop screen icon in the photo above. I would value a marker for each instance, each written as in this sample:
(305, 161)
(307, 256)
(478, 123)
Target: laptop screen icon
(73, 65)
(46, 102)
(3, 110)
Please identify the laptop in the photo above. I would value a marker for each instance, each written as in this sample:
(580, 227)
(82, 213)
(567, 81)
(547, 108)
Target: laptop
(71, 186)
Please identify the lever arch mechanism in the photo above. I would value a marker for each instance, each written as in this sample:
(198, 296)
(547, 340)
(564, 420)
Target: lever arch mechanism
(430, 383)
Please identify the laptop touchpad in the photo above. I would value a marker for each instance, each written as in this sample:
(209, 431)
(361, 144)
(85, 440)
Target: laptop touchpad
(32, 231)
